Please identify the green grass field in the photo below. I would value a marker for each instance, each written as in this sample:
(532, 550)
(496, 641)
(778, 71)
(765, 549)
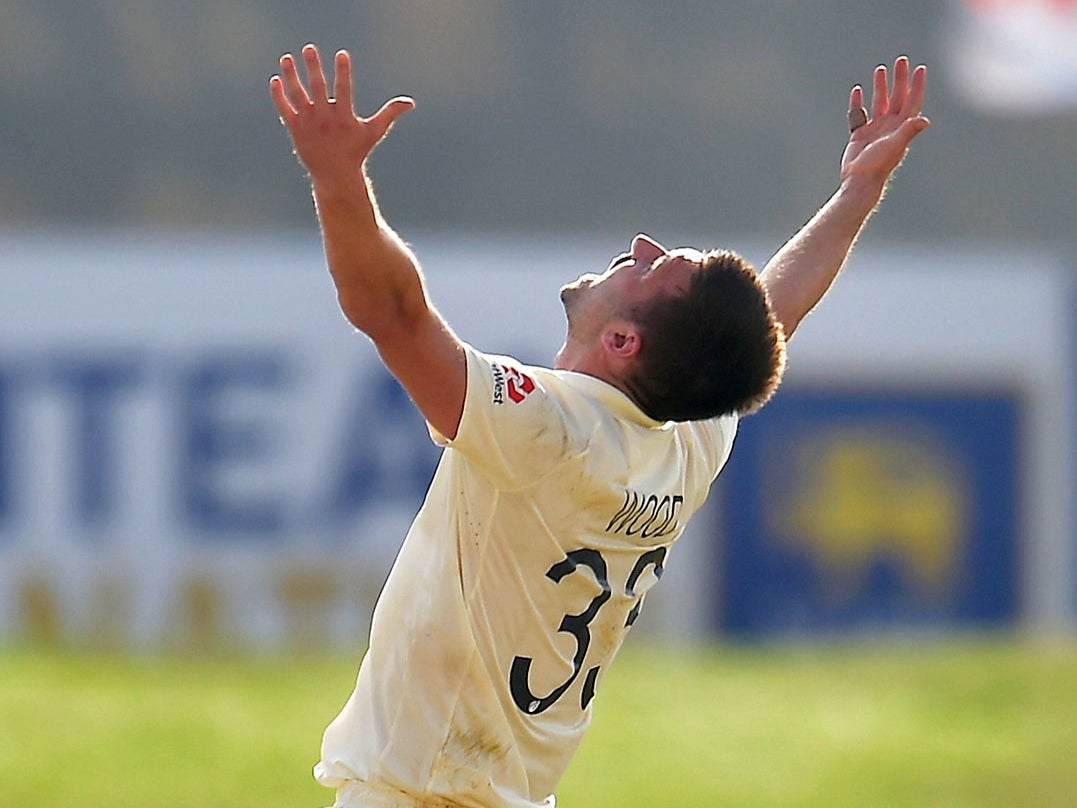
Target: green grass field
(976, 723)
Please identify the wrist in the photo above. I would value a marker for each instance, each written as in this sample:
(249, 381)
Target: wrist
(861, 191)
(330, 184)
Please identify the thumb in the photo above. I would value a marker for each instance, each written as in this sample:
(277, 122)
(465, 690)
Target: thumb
(912, 127)
(384, 118)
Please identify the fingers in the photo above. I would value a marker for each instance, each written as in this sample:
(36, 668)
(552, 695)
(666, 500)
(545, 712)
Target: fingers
(914, 126)
(315, 75)
(878, 92)
(856, 97)
(292, 86)
(858, 116)
(384, 118)
(905, 97)
(280, 100)
(914, 102)
(342, 82)
(291, 96)
(295, 103)
(901, 83)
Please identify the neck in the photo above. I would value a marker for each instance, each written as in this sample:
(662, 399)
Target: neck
(578, 357)
(591, 362)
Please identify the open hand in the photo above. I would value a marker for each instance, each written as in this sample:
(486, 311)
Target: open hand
(878, 145)
(329, 138)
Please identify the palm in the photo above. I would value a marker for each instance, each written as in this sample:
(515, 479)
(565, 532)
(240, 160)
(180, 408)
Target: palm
(329, 138)
(876, 148)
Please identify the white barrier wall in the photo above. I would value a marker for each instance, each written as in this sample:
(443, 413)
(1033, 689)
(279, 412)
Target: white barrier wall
(195, 448)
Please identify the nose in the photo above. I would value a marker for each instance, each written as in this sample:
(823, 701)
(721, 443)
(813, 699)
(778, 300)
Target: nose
(646, 250)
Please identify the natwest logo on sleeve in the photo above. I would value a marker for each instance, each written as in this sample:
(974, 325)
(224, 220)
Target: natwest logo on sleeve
(511, 382)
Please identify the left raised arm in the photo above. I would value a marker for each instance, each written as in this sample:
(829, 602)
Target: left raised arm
(800, 272)
(380, 285)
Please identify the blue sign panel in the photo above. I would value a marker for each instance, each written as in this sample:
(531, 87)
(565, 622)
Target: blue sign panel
(860, 510)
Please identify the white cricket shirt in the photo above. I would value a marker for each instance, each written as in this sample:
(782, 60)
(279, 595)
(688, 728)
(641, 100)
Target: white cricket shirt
(549, 517)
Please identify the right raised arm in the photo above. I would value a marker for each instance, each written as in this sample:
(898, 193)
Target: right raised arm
(379, 282)
(801, 272)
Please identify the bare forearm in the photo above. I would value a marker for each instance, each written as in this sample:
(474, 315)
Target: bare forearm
(379, 284)
(803, 270)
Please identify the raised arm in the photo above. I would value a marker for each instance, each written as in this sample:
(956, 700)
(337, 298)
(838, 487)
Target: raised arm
(379, 282)
(800, 273)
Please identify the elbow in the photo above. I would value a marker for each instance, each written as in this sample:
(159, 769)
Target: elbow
(789, 325)
(788, 318)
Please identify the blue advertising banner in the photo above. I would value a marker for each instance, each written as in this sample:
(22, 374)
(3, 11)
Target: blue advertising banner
(859, 510)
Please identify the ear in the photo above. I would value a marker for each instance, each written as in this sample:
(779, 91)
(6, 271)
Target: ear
(621, 341)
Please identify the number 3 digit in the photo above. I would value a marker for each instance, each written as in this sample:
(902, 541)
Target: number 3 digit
(574, 624)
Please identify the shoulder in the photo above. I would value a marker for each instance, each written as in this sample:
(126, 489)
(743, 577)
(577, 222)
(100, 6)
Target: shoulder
(519, 421)
(713, 440)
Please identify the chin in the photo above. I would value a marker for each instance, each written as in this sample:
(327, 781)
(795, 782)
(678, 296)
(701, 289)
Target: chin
(572, 291)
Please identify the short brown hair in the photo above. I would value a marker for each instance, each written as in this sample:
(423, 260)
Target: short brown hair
(714, 350)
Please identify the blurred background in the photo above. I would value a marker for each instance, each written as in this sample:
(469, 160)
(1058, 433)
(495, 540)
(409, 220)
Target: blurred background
(552, 117)
(195, 452)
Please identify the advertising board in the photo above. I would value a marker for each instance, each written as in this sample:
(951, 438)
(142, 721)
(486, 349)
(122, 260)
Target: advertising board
(197, 450)
(872, 509)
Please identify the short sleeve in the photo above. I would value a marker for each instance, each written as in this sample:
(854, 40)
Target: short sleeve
(514, 428)
(715, 439)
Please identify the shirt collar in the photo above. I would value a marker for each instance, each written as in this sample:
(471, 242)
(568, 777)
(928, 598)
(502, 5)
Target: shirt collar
(609, 396)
